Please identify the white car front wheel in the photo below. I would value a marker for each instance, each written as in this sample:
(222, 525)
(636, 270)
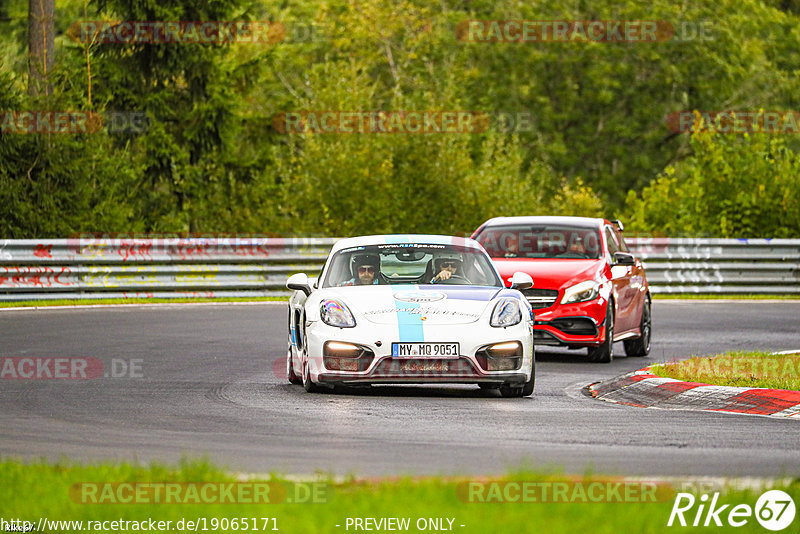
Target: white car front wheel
(523, 390)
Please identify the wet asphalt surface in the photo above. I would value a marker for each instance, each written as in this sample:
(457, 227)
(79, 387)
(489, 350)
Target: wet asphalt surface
(206, 381)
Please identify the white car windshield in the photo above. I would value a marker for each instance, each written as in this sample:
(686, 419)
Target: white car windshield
(410, 263)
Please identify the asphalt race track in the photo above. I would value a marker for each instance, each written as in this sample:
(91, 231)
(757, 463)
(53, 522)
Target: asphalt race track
(203, 384)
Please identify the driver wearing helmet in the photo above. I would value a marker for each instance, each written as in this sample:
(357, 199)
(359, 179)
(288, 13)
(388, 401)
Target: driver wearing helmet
(511, 248)
(365, 268)
(576, 245)
(446, 265)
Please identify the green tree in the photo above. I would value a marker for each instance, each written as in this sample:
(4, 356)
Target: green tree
(732, 186)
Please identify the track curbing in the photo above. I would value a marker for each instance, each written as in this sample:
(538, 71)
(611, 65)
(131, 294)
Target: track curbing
(645, 390)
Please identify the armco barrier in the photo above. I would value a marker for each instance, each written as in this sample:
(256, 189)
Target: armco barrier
(251, 267)
(85, 267)
(720, 266)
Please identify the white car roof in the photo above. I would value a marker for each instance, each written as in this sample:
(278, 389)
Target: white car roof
(396, 239)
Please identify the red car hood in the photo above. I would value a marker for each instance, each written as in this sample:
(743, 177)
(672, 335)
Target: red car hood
(548, 273)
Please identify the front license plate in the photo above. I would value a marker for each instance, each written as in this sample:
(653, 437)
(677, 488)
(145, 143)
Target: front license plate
(426, 350)
(424, 367)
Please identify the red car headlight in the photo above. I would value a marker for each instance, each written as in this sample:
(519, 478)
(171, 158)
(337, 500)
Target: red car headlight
(582, 292)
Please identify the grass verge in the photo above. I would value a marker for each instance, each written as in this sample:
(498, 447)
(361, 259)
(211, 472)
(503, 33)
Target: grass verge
(94, 302)
(743, 369)
(58, 493)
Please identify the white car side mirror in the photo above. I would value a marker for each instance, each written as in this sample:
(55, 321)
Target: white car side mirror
(299, 282)
(520, 280)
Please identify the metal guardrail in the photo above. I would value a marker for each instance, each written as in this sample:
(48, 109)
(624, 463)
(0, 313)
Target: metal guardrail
(83, 268)
(720, 266)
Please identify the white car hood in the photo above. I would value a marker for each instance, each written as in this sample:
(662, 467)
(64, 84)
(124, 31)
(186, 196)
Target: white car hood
(410, 304)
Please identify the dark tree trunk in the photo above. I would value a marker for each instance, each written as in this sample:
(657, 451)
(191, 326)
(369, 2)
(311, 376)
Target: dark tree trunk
(40, 45)
(4, 12)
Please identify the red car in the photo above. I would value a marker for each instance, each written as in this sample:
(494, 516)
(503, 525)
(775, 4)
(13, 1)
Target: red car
(588, 289)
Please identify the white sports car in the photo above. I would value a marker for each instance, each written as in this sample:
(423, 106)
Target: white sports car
(410, 309)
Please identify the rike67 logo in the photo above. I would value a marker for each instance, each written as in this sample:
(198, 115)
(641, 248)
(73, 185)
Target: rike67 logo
(774, 510)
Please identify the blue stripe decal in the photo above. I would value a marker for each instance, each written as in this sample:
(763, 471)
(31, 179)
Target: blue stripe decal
(409, 324)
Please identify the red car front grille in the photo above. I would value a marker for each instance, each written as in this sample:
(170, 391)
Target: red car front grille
(540, 298)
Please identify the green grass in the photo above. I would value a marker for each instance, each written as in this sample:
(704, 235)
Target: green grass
(726, 296)
(31, 491)
(743, 369)
(92, 302)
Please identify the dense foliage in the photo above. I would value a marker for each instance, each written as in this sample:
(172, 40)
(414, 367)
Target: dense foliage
(212, 160)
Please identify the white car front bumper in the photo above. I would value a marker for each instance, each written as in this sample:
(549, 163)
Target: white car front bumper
(378, 365)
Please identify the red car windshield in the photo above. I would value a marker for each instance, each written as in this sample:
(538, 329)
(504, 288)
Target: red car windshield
(541, 241)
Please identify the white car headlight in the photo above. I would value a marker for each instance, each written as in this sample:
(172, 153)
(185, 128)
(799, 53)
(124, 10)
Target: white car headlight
(506, 313)
(581, 292)
(335, 313)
